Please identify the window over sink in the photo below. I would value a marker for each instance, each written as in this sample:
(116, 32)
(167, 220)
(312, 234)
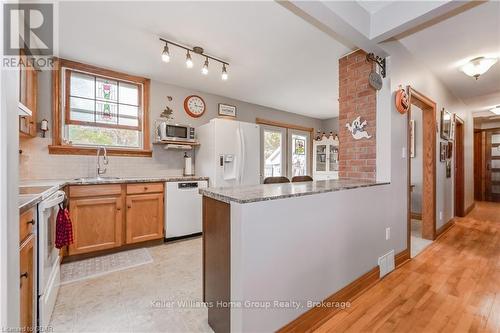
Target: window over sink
(99, 107)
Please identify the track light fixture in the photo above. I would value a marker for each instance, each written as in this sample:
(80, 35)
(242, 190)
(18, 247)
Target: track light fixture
(165, 56)
(224, 73)
(204, 70)
(189, 61)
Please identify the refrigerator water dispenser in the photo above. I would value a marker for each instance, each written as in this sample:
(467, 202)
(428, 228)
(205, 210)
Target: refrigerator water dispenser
(228, 166)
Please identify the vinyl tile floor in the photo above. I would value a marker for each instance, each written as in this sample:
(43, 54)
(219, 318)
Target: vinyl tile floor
(163, 296)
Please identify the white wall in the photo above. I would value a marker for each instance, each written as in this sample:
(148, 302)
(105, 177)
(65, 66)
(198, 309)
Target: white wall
(36, 163)
(405, 70)
(305, 249)
(9, 211)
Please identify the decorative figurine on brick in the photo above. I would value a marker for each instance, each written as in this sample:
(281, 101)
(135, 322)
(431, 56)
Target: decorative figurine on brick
(357, 129)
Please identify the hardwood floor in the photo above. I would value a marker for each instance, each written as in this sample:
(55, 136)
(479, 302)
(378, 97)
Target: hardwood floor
(452, 286)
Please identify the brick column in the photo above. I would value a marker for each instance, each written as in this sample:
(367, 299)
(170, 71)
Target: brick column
(357, 158)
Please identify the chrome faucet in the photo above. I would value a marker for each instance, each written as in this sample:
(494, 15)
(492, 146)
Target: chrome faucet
(101, 170)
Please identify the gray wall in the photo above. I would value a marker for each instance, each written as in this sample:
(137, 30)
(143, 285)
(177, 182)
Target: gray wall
(404, 70)
(330, 125)
(36, 163)
(416, 162)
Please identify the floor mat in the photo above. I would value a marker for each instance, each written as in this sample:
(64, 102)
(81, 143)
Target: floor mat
(92, 267)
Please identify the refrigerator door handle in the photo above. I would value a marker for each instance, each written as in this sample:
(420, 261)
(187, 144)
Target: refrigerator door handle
(243, 155)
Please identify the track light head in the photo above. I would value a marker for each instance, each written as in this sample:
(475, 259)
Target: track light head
(224, 75)
(204, 70)
(189, 61)
(165, 55)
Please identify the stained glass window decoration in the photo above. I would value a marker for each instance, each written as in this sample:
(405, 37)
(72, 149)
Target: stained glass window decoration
(98, 101)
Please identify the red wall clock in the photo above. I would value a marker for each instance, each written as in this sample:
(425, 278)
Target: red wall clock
(194, 106)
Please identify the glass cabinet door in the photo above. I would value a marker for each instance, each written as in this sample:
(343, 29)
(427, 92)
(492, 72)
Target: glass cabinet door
(321, 158)
(333, 158)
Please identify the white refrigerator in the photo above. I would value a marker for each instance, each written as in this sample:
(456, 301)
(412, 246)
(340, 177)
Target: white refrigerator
(229, 153)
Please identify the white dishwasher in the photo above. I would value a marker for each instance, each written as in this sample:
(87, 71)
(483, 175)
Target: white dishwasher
(183, 208)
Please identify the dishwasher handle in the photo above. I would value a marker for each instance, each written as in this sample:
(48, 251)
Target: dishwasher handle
(187, 186)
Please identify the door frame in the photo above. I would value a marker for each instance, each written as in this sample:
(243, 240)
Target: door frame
(459, 178)
(429, 129)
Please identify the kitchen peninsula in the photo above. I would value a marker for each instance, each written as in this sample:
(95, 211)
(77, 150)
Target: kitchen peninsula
(271, 250)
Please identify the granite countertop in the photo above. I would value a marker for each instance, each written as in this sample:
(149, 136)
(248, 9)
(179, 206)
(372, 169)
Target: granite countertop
(27, 201)
(263, 192)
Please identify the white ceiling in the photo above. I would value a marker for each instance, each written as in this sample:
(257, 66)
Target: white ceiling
(372, 6)
(445, 46)
(276, 58)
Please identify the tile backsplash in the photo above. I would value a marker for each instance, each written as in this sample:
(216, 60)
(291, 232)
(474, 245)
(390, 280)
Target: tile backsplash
(35, 162)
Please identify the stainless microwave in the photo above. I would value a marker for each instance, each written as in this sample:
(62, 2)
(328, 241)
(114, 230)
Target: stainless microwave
(175, 132)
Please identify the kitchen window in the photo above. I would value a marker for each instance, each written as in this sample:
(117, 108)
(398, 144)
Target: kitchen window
(98, 107)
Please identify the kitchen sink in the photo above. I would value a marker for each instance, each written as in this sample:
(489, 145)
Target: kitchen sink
(23, 190)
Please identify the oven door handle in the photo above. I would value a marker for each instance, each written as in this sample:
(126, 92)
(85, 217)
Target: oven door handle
(53, 200)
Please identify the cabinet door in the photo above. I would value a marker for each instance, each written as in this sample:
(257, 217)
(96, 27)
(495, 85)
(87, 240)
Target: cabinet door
(144, 217)
(26, 284)
(28, 92)
(97, 224)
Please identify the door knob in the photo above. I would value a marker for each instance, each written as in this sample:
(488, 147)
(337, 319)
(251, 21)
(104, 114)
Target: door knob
(24, 275)
(32, 221)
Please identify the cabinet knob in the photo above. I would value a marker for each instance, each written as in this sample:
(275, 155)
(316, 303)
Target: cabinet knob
(24, 275)
(145, 188)
(32, 221)
(118, 209)
(129, 206)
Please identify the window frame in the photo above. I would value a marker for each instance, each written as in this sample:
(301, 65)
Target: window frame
(60, 93)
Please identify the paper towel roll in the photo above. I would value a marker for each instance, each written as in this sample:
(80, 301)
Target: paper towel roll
(188, 166)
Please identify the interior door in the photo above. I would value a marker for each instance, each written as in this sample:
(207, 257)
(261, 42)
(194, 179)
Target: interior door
(493, 165)
(273, 151)
(298, 153)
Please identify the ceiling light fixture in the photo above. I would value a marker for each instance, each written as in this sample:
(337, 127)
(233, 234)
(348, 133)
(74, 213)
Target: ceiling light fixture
(204, 70)
(478, 66)
(189, 61)
(224, 73)
(165, 55)
(496, 110)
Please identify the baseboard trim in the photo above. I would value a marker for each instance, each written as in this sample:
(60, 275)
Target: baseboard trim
(416, 216)
(470, 208)
(315, 317)
(402, 258)
(444, 228)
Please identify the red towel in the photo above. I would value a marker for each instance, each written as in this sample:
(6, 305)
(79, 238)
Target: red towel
(64, 229)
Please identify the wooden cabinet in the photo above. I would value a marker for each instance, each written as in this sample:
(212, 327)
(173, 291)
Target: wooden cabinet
(28, 91)
(26, 223)
(26, 284)
(144, 217)
(100, 223)
(26, 270)
(97, 224)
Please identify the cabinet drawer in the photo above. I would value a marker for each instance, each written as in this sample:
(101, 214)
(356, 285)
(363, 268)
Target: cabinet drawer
(94, 190)
(144, 188)
(26, 223)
